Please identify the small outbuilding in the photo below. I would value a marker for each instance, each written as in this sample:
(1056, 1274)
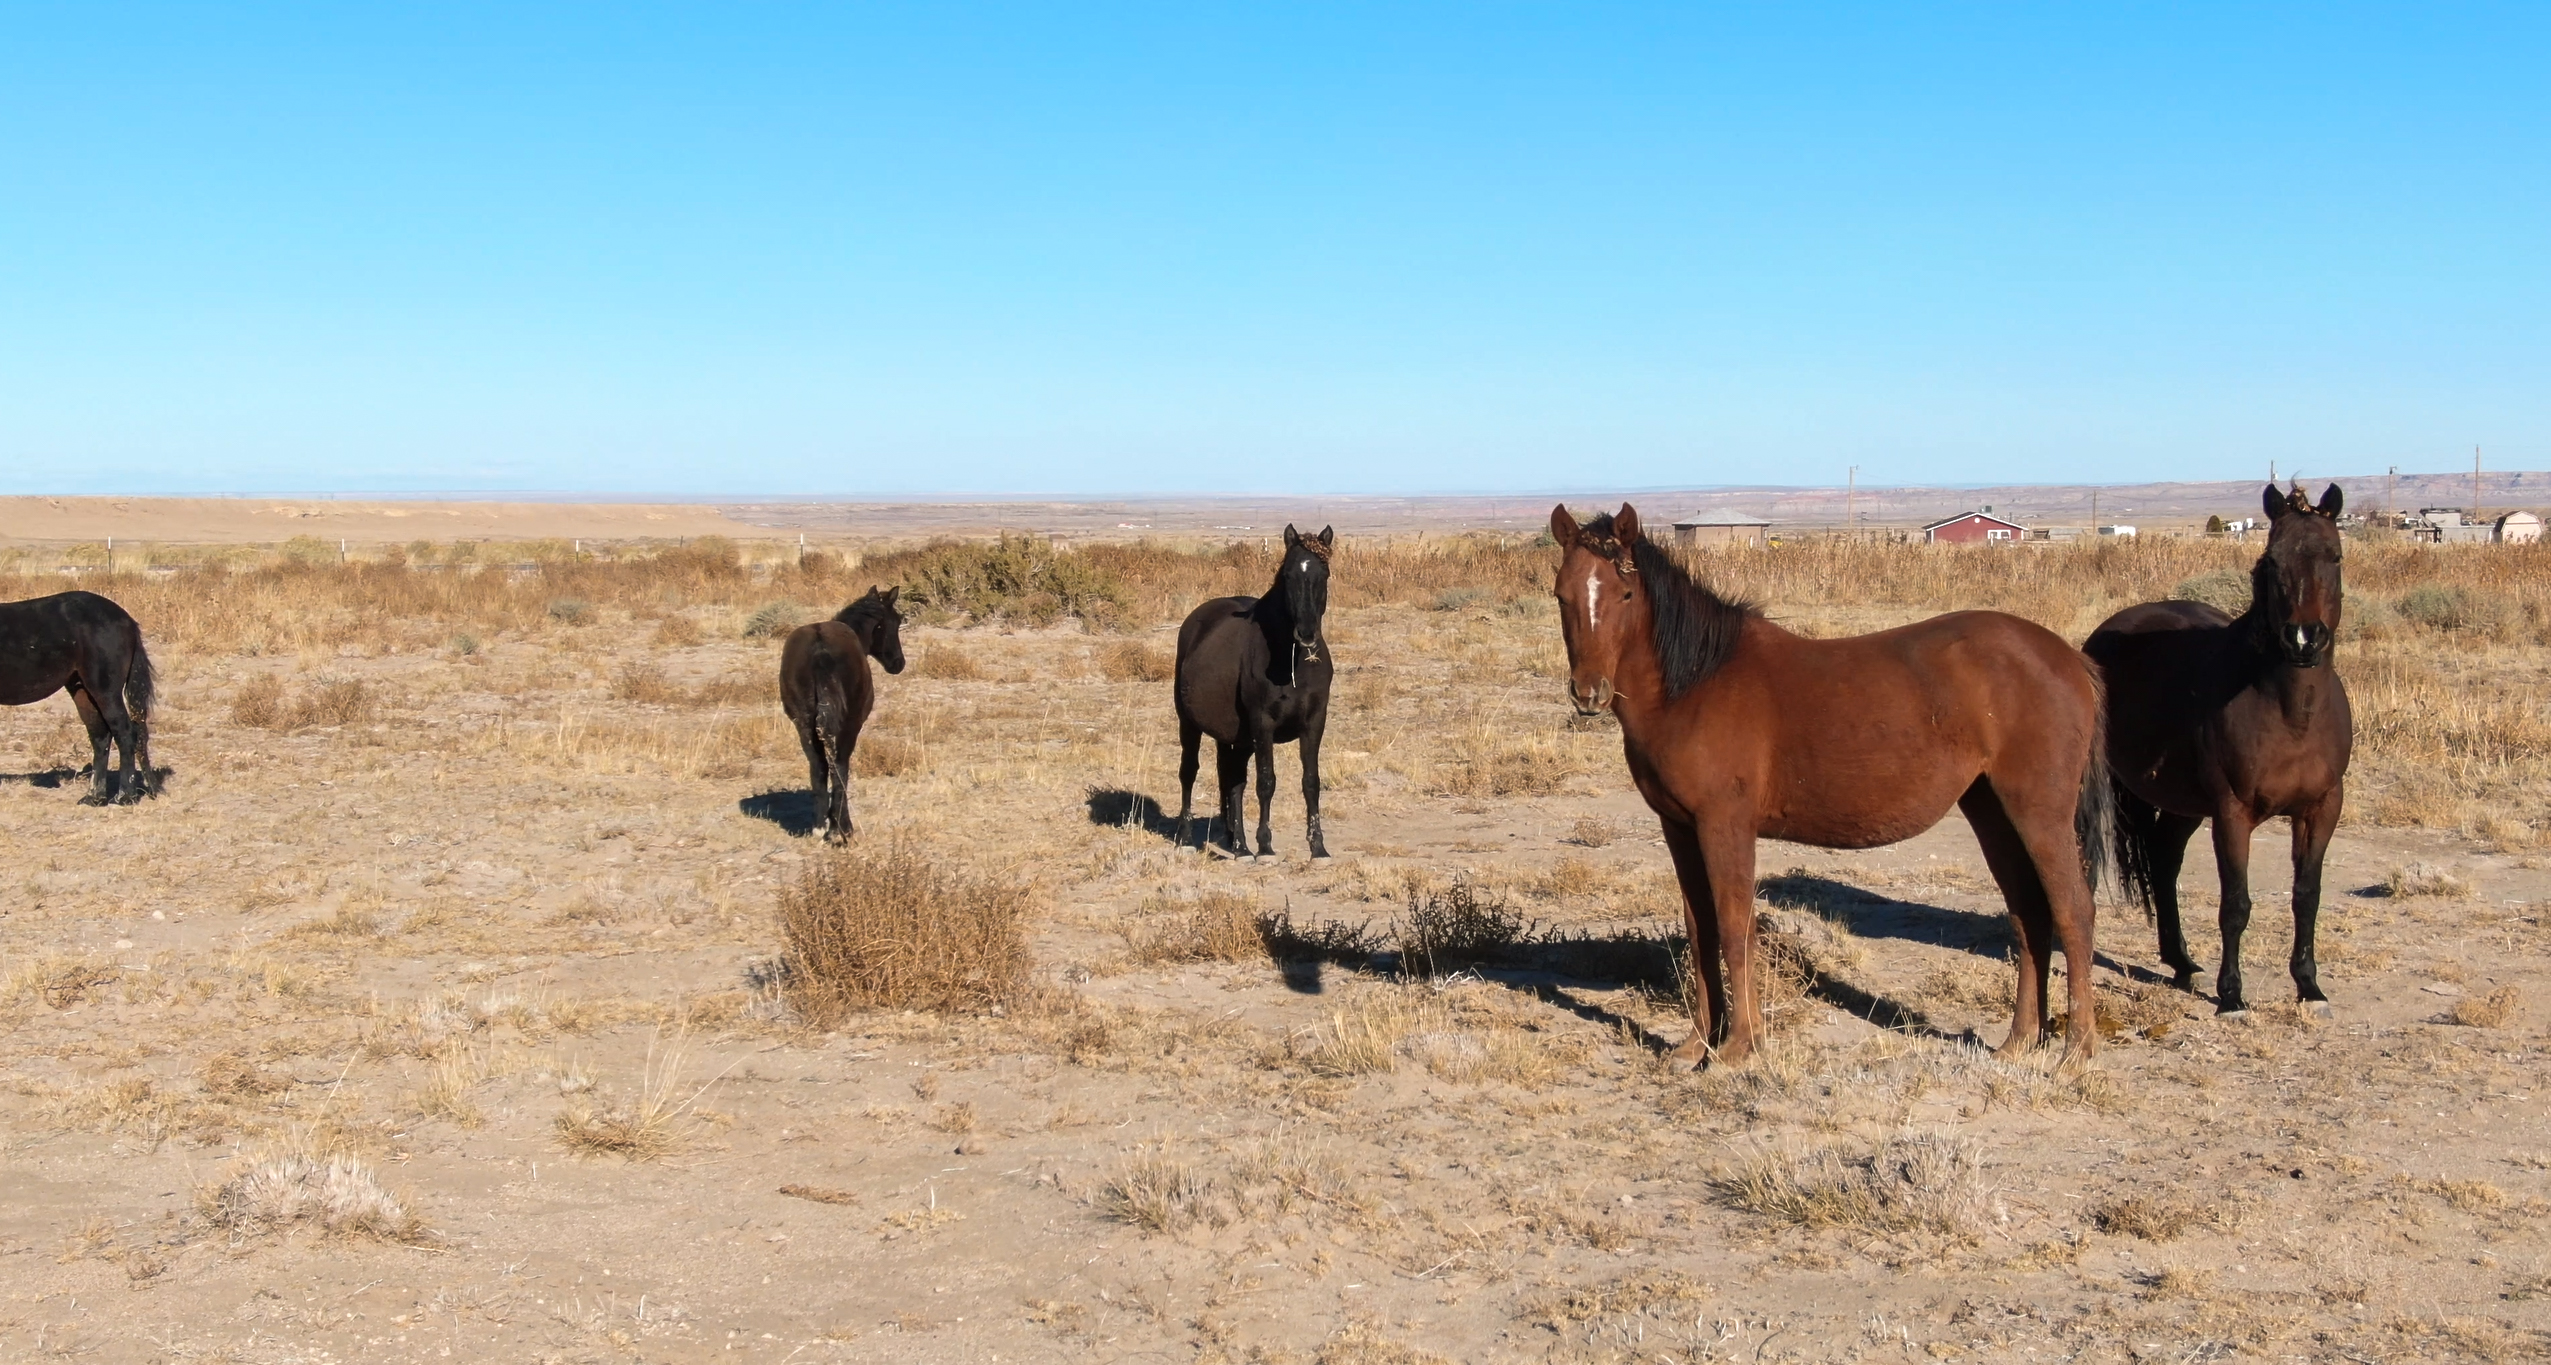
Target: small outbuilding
(2519, 528)
(1721, 528)
(1979, 527)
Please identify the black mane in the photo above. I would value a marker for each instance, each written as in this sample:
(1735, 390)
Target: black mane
(868, 609)
(1696, 630)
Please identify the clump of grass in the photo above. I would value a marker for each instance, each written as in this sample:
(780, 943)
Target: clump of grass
(1458, 599)
(1134, 661)
(1217, 926)
(1492, 760)
(2494, 1010)
(885, 756)
(1364, 1038)
(1590, 832)
(258, 703)
(677, 631)
(2452, 607)
(1016, 577)
(1156, 1192)
(464, 644)
(888, 928)
(772, 619)
(1910, 1182)
(229, 1076)
(569, 610)
(648, 1127)
(335, 1193)
(2425, 879)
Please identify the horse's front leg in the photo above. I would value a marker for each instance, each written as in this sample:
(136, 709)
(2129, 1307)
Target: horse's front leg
(1729, 856)
(2232, 826)
(2312, 832)
(1266, 791)
(1700, 919)
(1231, 775)
(1311, 786)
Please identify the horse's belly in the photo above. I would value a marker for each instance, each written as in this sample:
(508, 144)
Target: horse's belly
(24, 694)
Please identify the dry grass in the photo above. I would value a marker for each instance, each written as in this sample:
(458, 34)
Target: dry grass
(1215, 926)
(1156, 1192)
(1134, 661)
(649, 1126)
(891, 928)
(330, 1192)
(2497, 1009)
(1909, 1182)
(886, 756)
(2425, 879)
(2152, 1220)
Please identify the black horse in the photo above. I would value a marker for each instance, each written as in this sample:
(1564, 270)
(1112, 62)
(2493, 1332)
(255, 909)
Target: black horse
(825, 687)
(1254, 673)
(2238, 721)
(87, 645)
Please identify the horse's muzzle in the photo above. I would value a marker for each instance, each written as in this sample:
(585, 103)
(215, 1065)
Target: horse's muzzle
(1592, 704)
(2306, 644)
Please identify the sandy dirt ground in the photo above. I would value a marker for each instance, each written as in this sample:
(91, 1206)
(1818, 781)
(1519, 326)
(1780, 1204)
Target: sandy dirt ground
(440, 921)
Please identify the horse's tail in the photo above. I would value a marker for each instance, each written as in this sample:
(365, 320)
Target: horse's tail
(2137, 826)
(140, 688)
(824, 667)
(2095, 809)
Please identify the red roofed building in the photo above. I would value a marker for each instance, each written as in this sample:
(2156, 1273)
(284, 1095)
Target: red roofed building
(1974, 528)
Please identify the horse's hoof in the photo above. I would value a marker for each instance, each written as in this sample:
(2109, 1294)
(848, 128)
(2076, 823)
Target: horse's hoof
(2235, 1013)
(93, 799)
(2319, 1009)
(1693, 1055)
(1321, 857)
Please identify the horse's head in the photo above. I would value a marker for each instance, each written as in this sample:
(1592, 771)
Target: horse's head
(880, 625)
(2295, 585)
(1304, 580)
(1598, 591)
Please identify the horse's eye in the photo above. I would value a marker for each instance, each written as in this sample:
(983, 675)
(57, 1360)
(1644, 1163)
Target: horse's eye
(1625, 594)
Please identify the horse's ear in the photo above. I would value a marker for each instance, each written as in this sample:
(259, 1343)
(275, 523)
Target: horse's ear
(1625, 524)
(1563, 527)
(2274, 503)
(1328, 537)
(1291, 537)
(2331, 501)
(892, 593)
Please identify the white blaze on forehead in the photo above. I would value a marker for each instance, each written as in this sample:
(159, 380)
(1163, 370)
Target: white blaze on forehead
(1594, 594)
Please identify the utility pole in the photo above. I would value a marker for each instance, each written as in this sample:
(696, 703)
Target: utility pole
(2475, 483)
(2094, 512)
(2391, 502)
(1850, 502)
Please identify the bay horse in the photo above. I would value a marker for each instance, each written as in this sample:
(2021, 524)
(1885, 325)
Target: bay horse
(1254, 672)
(2237, 720)
(827, 691)
(1736, 729)
(87, 645)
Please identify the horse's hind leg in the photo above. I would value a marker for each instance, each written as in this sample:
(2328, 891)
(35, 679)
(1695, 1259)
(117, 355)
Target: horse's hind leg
(2312, 831)
(2167, 841)
(837, 803)
(1190, 737)
(811, 740)
(2015, 871)
(101, 780)
(2232, 828)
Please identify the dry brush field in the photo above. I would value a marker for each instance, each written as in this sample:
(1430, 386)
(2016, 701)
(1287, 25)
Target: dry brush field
(473, 992)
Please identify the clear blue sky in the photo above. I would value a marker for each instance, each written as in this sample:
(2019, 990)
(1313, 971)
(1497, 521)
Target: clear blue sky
(885, 249)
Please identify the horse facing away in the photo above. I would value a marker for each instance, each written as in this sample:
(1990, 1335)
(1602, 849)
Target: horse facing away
(1254, 672)
(89, 646)
(2237, 720)
(826, 689)
(1736, 729)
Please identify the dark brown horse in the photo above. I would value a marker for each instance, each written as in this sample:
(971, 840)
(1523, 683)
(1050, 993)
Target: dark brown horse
(825, 687)
(1736, 729)
(84, 644)
(1254, 672)
(2237, 720)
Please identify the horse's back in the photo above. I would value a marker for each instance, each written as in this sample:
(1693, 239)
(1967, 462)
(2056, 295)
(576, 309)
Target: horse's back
(824, 656)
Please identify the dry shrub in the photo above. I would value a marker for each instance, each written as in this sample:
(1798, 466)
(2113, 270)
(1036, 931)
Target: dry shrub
(1015, 577)
(819, 1194)
(59, 979)
(1134, 661)
(644, 683)
(2425, 879)
(891, 929)
(231, 1077)
(1626, 1297)
(1461, 927)
(677, 632)
(1590, 832)
(258, 704)
(774, 619)
(1910, 1182)
(885, 756)
(1217, 926)
(2494, 1010)
(1363, 1343)
(334, 1193)
(2454, 607)
(2226, 590)
(950, 663)
(733, 691)
(2153, 1220)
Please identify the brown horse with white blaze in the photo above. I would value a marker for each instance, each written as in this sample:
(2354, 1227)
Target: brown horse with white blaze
(1736, 729)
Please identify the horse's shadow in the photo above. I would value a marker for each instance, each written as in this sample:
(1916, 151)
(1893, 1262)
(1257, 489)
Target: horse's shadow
(1565, 971)
(1871, 915)
(1118, 808)
(49, 777)
(794, 810)
(153, 780)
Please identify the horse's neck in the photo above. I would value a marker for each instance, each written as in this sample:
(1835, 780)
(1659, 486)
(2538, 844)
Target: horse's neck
(1638, 683)
(1274, 613)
